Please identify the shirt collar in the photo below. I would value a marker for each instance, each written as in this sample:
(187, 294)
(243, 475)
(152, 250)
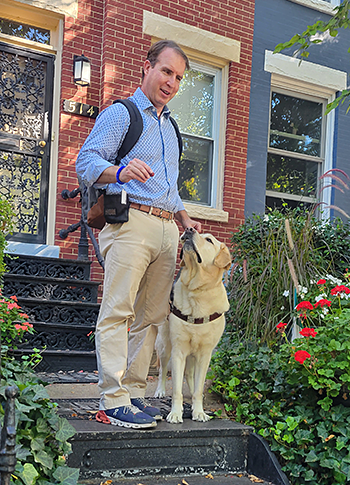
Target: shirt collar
(143, 103)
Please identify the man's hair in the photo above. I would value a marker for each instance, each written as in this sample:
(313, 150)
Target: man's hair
(158, 47)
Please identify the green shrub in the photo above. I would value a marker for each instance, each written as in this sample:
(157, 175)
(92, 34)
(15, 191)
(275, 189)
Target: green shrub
(296, 393)
(42, 435)
(273, 256)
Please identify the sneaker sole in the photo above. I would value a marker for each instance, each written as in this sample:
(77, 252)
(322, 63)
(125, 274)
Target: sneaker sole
(125, 424)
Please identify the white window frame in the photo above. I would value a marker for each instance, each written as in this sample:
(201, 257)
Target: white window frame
(307, 78)
(320, 160)
(320, 5)
(213, 50)
(217, 161)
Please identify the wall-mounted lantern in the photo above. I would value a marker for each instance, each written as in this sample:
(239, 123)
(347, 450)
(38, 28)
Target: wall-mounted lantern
(81, 70)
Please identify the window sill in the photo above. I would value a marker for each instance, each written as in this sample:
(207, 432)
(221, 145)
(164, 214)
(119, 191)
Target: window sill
(319, 5)
(208, 213)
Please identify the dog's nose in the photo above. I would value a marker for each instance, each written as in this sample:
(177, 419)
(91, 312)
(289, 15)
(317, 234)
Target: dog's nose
(189, 229)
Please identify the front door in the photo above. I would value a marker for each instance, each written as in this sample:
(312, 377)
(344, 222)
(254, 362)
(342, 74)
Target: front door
(26, 86)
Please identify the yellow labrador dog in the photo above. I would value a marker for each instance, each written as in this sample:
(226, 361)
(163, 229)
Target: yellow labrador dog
(196, 321)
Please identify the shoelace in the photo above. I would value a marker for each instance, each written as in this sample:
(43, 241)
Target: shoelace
(142, 401)
(130, 409)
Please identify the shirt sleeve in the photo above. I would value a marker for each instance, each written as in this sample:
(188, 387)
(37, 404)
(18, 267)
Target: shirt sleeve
(101, 146)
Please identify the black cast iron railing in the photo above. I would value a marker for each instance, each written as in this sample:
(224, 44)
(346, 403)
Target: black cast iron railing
(85, 230)
(8, 437)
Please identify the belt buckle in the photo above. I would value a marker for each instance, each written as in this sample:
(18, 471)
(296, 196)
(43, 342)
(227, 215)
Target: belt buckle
(160, 213)
(190, 319)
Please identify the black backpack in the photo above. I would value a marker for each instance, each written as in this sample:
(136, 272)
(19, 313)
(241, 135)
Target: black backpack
(130, 140)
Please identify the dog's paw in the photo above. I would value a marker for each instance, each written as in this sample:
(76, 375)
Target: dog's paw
(159, 392)
(200, 416)
(174, 418)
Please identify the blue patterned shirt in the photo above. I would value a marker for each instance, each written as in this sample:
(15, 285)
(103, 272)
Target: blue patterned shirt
(157, 146)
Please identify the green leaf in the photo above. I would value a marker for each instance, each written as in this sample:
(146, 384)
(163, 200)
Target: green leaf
(309, 475)
(37, 443)
(21, 452)
(66, 475)
(44, 458)
(65, 430)
(311, 457)
(234, 382)
(29, 474)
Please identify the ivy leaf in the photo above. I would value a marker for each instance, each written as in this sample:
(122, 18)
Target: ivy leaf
(21, 452)
(44, 458)
(29, 474)
(40, 393)
(309, 475)
(311, 457)
(37, 444)
(65, 430)
(66, 475)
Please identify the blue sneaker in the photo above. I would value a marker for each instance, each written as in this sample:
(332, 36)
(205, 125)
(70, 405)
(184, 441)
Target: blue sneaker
(145, 407)
(130, 417)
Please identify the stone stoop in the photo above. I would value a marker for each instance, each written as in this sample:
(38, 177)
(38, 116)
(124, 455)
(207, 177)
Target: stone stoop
(174, 454)
(61, 303)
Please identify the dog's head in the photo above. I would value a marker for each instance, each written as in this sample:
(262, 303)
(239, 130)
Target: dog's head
(203, 253)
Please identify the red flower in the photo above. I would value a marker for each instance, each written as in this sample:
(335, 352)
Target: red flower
(304, 305)
(280, 327)
(308, 332)
(340, 289)
(321, 282)
(301, 356)
(323, 303)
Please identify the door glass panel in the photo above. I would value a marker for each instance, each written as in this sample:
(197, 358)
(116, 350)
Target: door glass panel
(24, 140)
(24, 31)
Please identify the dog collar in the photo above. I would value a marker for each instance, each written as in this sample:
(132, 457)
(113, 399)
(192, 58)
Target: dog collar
(186, 318)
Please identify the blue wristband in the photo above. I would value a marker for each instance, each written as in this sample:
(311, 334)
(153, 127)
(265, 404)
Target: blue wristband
(117, 176)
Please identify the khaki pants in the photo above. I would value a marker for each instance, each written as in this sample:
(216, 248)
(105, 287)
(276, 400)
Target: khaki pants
(140, 259)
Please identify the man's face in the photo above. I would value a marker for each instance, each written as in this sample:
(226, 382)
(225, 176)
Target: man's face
(161, 82)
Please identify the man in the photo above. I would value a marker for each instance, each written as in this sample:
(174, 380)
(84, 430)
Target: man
(140, 255)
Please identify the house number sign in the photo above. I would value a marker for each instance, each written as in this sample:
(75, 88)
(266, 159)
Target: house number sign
(81, 109)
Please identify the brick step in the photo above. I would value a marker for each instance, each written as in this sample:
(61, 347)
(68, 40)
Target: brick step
(28, 265)
(57, 289)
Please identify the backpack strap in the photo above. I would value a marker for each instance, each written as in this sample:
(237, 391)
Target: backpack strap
(178, 134)
(134, 130)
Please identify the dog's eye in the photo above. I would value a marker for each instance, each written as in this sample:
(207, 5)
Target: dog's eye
(209, 240)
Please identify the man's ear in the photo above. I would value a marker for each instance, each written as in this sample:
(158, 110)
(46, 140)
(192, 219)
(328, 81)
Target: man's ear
(223, 259)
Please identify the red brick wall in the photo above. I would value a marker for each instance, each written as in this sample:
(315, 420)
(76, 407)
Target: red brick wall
(109, 33)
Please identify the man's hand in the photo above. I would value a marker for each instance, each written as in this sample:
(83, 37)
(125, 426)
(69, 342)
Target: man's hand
(135, 170)
(186, 221)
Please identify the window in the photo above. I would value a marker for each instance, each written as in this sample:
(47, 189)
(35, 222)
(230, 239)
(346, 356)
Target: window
(24, 31)
(295, 151)
(196, 110)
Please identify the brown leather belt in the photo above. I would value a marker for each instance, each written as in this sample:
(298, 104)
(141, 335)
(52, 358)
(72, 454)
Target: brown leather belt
(154, 211)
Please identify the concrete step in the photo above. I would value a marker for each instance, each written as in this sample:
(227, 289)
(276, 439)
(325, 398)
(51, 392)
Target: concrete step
(222, 450)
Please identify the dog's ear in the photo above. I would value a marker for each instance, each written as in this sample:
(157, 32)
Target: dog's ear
(223, 259)
(182, 262)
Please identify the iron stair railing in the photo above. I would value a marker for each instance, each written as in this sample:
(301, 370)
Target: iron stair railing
(83, 246)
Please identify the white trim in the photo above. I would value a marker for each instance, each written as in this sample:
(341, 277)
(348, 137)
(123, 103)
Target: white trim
(328, 79)
(192, 37)
(320, 5)
(55, 23)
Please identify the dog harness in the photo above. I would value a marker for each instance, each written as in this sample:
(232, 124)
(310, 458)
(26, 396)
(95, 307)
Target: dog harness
(187, 318)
